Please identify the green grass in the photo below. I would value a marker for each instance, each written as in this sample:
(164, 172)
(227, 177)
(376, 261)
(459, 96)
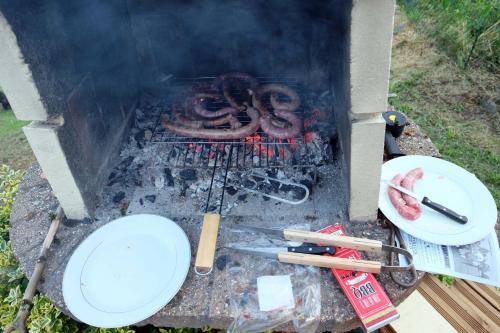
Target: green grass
(432, 90)
(14, 148)
(468, 30)
(9, 124)
(462, 142)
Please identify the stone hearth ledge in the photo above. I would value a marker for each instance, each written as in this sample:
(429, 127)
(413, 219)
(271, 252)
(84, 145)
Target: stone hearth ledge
(202, 301)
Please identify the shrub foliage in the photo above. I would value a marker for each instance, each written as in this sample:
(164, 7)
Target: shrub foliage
(44, 317)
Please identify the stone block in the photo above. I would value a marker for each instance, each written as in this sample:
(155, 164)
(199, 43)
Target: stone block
(46, 145)
(16, 78)
(370, 55)
(364, 162)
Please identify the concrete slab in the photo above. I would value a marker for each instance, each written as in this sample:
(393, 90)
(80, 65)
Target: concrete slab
(365, 161)
(16, 78)
(45, 143)
(203, 300)
(370, 52)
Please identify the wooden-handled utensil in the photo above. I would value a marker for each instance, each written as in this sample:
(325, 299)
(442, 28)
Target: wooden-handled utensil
(208, 238)
(207, 243)
(330, 262)
(361, 244)
(309, 256)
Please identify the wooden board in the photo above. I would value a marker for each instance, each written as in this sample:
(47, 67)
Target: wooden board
(467, 306)
(413, 310)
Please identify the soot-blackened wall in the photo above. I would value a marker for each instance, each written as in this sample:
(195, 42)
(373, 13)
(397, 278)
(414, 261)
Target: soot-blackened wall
(206, 38)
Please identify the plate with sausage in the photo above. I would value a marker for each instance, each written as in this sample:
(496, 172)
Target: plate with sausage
(445, 183)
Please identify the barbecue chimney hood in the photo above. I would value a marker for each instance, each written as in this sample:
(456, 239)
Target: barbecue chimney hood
(77, 70)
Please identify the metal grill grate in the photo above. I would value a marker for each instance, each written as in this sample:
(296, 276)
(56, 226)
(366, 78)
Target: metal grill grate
(256, 151)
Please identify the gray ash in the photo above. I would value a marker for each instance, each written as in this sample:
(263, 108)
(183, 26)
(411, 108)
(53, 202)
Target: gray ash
(154, 162)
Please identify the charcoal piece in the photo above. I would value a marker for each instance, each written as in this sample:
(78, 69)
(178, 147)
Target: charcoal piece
(125, 163)
(242, 197)
(298, 193)
(265, 188)
(184, 187)
(231, 190)
(141, 202)
(266, 198)
(118, 197)
(188, 174)
(117, 179)
(272, 173)
(139, 136)
(221, 262)
(168, 177)
(248, 183)
(151, 198)
(212, 208)
(112, 175)
(307, 183)
(275, 185)
(137, 181)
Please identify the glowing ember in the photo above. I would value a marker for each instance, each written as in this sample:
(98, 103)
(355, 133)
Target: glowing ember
(260, 148)
(197, 148)
(309, 137)
(293, 144)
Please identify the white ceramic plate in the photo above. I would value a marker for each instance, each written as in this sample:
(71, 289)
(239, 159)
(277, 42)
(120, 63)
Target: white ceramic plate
(446, 184)
(126, 271)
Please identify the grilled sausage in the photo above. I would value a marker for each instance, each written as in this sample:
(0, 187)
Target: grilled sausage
(269, 123)
(223, 81)
(214, 134)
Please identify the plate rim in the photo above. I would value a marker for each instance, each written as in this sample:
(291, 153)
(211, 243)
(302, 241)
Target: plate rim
(71, 289)
(453, 240)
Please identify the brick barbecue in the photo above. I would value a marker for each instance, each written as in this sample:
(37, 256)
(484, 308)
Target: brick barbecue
(94, 78)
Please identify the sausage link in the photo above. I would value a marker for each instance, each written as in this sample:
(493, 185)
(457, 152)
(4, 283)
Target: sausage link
(214, 134)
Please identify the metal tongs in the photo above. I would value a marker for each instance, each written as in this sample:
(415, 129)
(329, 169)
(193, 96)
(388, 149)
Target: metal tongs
(312, 254)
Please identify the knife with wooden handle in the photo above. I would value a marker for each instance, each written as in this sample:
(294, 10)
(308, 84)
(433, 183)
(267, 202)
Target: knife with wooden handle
(321, 255)
(362, 244)
(330, 262)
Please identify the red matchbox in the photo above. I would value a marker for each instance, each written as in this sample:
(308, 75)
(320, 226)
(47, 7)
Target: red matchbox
(367, 297)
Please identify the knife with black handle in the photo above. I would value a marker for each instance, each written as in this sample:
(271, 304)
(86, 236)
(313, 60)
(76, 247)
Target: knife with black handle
(445, 211)
(431, 204)
(313, 249)
(273, 251)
